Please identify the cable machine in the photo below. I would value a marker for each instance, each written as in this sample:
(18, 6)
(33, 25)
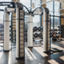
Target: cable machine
(20, 52)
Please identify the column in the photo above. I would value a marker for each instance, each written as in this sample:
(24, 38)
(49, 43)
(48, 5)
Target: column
(62, 19)
(62, 3)
(30, 31)
(46, 31)
(6, 31)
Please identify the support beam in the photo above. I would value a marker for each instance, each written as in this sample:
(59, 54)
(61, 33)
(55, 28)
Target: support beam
(46, 30)
(43, 6)
(62, 12)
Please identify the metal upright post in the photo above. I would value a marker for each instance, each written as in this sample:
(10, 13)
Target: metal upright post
(31, 5)
(17, 32)
(53, 13)
(60, 16)
(41, 15)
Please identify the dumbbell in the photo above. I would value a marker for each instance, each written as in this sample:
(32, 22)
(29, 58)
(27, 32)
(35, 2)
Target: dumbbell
(40, 35)
(35, 29)
(36, 35)
(40, 28)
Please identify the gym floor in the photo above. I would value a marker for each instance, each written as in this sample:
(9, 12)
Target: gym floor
(35, 56)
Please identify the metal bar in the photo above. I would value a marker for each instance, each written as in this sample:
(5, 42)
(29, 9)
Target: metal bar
(33, 14)
(57, 16)
(41, 14)
(31, 5)
(53, 13)
(6, 2)
(1, 10)
(37, 8)
(26, 8)
(50, 34)
(41, 20)
(19, 32)
(60, 17)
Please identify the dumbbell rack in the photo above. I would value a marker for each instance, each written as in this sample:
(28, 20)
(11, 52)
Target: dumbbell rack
(37, 37)
(62, 31)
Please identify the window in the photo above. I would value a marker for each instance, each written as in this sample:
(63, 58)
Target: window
(1, 12)
(54, 7)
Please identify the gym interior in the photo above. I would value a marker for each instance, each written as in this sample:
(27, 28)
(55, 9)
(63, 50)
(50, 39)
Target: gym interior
(31, 31)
